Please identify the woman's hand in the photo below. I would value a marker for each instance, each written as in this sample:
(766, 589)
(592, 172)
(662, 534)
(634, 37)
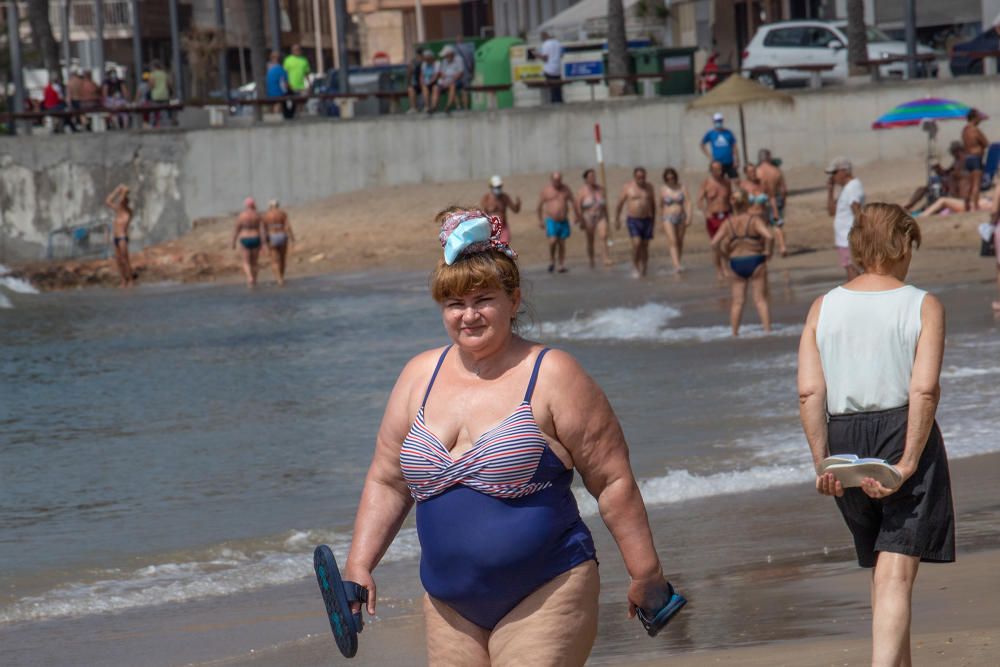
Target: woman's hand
(827, 485)
(364, 578)
(649, 593)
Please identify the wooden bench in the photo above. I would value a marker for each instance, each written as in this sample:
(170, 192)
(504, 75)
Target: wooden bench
(874, 64)
(989, 59)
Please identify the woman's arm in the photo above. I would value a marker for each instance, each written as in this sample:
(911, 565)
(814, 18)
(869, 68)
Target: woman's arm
(812, 401)
(925, 392)
(688, 206)
(587, 427)
(385, 499)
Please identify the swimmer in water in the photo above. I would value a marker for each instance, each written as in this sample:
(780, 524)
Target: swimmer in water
(746, 240)
(496, 202)
(248, 233)
(675, 210)
(118, 202)
(593, 204)
(279, 234)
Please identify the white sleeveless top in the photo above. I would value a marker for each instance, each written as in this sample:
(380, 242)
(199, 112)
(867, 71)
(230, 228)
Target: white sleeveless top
(867, 342)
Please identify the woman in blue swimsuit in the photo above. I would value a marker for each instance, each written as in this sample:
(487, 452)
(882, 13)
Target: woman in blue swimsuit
(483, 436)
(746, 241)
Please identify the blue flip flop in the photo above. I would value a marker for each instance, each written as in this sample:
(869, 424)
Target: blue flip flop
(338, 596)
(654, 622)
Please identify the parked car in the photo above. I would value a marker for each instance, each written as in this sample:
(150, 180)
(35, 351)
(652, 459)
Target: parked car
(819, 43)
(963, 65)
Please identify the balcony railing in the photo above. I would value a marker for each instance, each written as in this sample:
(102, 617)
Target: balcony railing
(83, 18)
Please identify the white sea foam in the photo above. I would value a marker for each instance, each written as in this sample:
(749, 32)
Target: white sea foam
(218, 571)
(5, 302)
(958, 372)
(13, 284)
(648, 323)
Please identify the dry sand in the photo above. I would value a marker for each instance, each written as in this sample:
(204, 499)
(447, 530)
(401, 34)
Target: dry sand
(393, 228)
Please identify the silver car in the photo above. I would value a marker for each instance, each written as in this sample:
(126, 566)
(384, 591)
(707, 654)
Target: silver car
(793, 43)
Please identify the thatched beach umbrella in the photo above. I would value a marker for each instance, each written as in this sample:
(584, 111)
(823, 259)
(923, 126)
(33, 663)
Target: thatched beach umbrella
(737, 91)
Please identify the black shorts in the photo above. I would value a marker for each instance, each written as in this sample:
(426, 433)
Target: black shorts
(730, 171)
(918, 519)
(973, 162)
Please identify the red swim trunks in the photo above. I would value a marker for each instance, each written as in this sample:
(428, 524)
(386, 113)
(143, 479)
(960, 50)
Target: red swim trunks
(713, 221)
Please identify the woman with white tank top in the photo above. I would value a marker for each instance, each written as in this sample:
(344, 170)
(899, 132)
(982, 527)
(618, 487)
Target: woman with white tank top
(869, 370)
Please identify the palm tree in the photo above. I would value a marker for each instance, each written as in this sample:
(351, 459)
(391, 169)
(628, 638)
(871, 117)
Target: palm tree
(857, 37)
(41, 35)
(617, 47)
(258, 46)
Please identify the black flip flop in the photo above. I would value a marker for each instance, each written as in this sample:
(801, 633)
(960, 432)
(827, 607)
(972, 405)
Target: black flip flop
(653, 622)
(338, 596)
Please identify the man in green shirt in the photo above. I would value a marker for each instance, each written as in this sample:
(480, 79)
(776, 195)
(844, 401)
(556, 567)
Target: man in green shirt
(297, 68)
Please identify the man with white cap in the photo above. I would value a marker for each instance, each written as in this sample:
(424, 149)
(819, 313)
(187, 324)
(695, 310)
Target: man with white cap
(723, 147)
(496, 202)
(452, 74)
(840, 207)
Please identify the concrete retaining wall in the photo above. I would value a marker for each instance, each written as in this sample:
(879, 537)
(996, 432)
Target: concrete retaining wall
(48, 182)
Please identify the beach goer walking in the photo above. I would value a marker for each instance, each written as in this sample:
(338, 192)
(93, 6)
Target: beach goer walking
(554, 205)
(745, 240)
(883, 408)
(975, 145)
(278, 233)
(714, 202)
(762, 203)
(118, 202)
(841, 208)
(675, 210)
(773, 182)
(248, 232)
(723, 147)
(551, 53)
(639, 200)
(593, 205)
(483, 436)
(430, 72)
(496, 202)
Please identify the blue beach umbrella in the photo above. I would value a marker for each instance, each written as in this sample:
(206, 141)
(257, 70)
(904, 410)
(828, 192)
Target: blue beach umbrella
(917, 111)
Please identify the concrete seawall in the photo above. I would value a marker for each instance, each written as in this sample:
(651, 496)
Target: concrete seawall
(179, 176)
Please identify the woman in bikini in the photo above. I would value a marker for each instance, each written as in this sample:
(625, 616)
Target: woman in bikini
(759, 203)
(484, 436)
(118, 202)
(279, 234)
(746, 240)
(248, 232)
(593, 203)
(675, 209)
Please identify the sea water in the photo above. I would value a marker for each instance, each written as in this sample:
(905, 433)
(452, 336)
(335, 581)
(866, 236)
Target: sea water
(180, 443)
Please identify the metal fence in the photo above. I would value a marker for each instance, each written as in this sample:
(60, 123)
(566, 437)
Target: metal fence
(87, 239)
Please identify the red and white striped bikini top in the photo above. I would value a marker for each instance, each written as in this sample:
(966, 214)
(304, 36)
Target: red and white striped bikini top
(502, 462)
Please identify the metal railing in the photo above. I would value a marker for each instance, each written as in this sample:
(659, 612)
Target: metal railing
(87, 239)
(83, 17)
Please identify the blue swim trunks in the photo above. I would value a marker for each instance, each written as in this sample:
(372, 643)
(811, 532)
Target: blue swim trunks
(640, 227)
(558, 229)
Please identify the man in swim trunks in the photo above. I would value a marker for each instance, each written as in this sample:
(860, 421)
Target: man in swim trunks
(553, 216)
(773, 182)
(279, 235)
(496, 202)
(975, 144)
(118, 202)
(714, 201)
(248, 233)
(640, 198)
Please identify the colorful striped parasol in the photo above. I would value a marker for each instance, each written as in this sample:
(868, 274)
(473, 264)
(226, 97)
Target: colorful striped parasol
(917, 111)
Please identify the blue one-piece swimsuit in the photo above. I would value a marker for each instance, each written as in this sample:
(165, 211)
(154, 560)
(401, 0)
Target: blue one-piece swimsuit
(499, 521)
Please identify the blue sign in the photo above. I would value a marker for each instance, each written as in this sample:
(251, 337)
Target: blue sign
(583, 69)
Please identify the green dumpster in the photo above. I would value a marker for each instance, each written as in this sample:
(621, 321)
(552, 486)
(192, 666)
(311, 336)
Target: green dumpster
(678, 63)
(493, 69)
(436, 45)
